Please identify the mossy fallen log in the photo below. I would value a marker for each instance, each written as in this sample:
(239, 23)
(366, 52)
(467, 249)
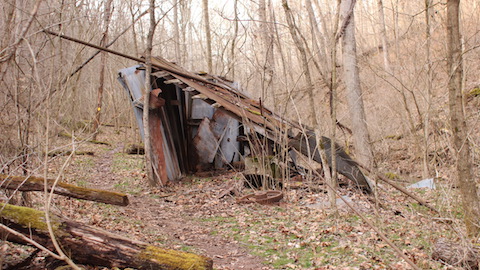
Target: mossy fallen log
(88, 245)
(33, 183)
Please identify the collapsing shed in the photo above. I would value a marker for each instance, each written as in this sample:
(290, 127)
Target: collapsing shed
(199, 122)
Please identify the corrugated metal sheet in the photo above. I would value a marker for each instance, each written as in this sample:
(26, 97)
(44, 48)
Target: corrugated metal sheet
(133, 81)
(165, 155)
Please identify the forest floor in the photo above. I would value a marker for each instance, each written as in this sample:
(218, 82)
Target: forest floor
(300, 232)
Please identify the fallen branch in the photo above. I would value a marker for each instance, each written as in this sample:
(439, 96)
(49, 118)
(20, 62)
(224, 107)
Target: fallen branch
(32, 183)
(93, 246)
(402, 189)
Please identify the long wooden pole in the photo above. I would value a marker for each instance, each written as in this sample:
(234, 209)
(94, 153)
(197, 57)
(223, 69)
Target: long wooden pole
(138, 59)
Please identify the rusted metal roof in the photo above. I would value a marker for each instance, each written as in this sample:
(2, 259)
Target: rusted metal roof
(240, 105)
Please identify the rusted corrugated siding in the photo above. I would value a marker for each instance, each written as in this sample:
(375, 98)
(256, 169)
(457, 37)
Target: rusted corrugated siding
(165, 156)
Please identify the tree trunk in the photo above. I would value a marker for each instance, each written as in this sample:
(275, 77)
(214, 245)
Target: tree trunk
(319, 41)
(361, 137)
(426, 117)
(103, 62)
(267, 52)
(466, 181)
(333, 107)
(206, 21)
(93, 246)
(303, 56)
(153, 179)
(176, 33)
(234, 40)
(383, 36)
(32, 183)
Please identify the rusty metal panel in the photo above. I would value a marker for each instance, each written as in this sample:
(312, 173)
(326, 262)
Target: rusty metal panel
(164, 154)
(156, 140)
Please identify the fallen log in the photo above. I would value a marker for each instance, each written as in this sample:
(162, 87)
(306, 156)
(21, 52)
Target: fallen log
(88, 245)
(32, 183)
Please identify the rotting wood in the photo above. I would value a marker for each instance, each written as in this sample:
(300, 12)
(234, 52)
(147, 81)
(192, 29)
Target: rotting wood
(93, 246)
(32, 183)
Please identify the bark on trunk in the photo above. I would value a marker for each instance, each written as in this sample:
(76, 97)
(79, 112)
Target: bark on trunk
(92, 246)
(206, 21)
(32, 183)
(383, 36)
(361, 137)
(303, 56)
(103, 42)
(466, 181)
(267, 54)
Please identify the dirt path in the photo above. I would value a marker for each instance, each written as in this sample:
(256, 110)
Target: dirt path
(173, 220)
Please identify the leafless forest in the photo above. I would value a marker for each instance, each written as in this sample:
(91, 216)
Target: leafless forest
(396, 83)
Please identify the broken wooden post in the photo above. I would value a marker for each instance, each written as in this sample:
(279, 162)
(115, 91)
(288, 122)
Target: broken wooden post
(93, 246)
(32, 183)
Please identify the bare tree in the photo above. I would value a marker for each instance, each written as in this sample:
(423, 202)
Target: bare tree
(267, 51)
(465, 178)
(103, 62)
(208, 35)
(7, 52)
(176, 33)
(383, 36)
(351, 75)
(234, 39)
(428, 94)
(294, 32)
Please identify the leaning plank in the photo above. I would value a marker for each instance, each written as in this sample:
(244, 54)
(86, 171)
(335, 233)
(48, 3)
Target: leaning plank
(93, 246)
(32, 183)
